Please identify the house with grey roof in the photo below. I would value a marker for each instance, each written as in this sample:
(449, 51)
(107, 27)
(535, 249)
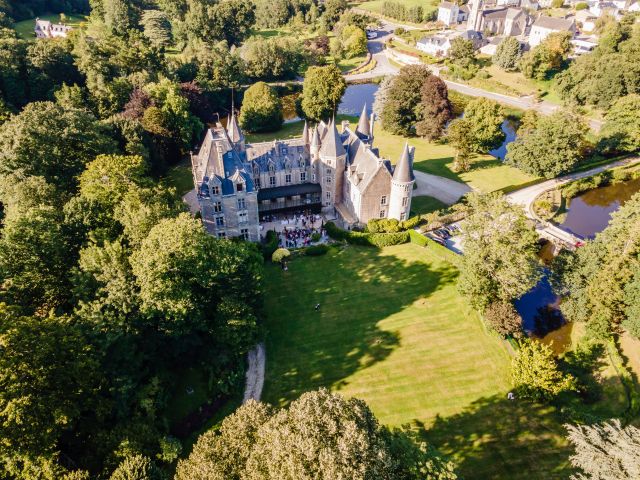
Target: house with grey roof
(46, 29)
(238, 183)
(545, 26)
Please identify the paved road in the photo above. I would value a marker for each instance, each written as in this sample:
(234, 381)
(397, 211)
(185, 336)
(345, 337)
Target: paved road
(526, 196)
(384, 68)
(445, 190)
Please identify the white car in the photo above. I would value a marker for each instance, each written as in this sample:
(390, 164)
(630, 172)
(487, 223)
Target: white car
(371, 35)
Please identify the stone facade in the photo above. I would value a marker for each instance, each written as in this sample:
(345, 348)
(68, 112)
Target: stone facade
(238, 183)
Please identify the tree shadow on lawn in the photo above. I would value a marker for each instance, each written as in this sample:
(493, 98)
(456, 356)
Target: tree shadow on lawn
(494, 438)
(356, 288)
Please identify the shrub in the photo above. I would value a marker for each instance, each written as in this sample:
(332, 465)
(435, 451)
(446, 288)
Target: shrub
(503, 318)
(411, 223)
(315, 237)
(270, 245)
(279, 255)
(316, 250)
(366, 239)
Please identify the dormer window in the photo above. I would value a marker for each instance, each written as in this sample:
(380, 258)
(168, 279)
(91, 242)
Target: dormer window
(215, 190)
(239, 187)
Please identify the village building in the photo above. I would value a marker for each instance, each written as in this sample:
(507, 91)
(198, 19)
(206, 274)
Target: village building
(501, 20)
(545, 26)
(438, 45)
(586, 20)
(46, 29)
(238, 183)
(448, 13)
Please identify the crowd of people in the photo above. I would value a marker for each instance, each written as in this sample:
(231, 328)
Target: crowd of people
(298, 230)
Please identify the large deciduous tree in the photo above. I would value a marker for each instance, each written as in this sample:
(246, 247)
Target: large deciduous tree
(53, 142)
(621, 129)
(499, 261)
(599, 280)
(402, 104)
(546, 57)
(435, 108)
(320, 435)
(48, 378)
(261, 109)
(321, 92)
(554, 146)
(157, 27)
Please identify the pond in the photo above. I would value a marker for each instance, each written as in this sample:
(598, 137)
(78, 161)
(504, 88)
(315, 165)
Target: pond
(356, 96)
(590, 212)
(587, 215)
(509, 127)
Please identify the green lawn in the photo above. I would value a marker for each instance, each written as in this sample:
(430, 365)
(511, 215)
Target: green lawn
(422, 205)
(25, 28)
(375, 6)
(180, 177)
(393, 330)
(487, 173)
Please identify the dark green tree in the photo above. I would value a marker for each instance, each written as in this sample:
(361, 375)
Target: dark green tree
(402, 104)
(621, 130)
(48, 378)
(554, 147)
(137, 467)
(48, 140)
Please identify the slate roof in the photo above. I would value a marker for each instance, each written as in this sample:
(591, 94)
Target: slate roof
(404, 168)
(551, 23)
(331, 142)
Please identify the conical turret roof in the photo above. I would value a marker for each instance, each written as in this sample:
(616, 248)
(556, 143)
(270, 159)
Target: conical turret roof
(233, 129)
(332, 144)
(315, 138)
(364, 128)
(305, 133)
(404, 170)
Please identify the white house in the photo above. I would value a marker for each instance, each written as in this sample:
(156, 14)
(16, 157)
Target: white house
(634, 7)
(436, 45)
(583, 44)
(587, 20)
(600, 9)
(448, 13)
(544, 26)
(46, 29)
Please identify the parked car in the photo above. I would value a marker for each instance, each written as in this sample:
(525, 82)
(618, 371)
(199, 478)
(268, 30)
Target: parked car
(371, 35)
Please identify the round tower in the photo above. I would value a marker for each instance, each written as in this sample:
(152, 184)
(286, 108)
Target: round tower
(402, 186)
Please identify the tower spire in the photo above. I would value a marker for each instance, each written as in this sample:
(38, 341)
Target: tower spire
(332, 144)
(364, 127)
(403, 172)
(305, 133)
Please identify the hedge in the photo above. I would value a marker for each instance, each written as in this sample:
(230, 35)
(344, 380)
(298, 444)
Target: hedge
(316, 250)
(270, 245)
(366, 239)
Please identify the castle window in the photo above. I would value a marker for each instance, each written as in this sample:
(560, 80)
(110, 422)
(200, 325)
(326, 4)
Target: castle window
(241, 204)
(287, 178)
(381, 213)
(244, 233)
(272, 181)
(402, 216)
(217, 207)
(313, 177)
(328, 195)
(243, 217)
(220, 221)
(405, 200)
(239, 187)
(215, 190)
(328, 180)
(383, 200)
(222, 235)
(303, 176)
(256, 182)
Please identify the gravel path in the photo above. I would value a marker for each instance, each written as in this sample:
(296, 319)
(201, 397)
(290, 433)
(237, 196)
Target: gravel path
(255, 373)
(444, 189)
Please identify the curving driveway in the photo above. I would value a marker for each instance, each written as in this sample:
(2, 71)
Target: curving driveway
(444, 189)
